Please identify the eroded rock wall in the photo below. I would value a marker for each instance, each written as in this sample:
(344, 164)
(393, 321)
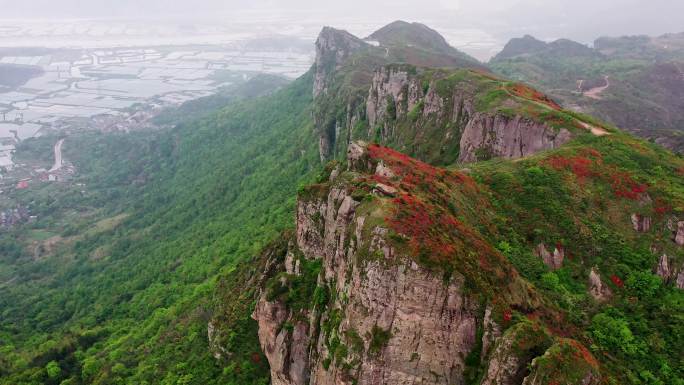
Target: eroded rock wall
(497, 135)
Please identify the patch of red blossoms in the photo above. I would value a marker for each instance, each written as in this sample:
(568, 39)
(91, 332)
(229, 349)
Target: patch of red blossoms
(530, 93)
(581, 352)
(661, 207)
(624, 186)
(581, 166)
(507, 315)
(616, 280)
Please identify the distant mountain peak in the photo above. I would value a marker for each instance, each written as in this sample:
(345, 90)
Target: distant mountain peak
(529, 45)
(520, 46)
(411, 34)
(572, 47)
(328, 32)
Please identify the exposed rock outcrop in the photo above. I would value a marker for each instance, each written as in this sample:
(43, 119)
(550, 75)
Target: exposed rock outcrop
(383, 171)
(513, 352)
(333, 49)
(286, 351)
(350, 306)
(669, 273)
(390, 312)
(384, 189)
(397, 94)
(392, 91)
(597, 288)
(679, 233)
(552, 261)
(387, 313)
(663, 268)
(491, 332)
(214, 345)
(409, 106)
(487, 136)
(357, 158)
(377, 316)
(641, 223)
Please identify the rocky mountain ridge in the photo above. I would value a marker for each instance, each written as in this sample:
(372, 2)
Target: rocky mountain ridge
(515, 271)
(379, 315)
(457, 114)
(383, 305)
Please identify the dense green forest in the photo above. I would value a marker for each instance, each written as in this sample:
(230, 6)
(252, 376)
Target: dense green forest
(139, 248)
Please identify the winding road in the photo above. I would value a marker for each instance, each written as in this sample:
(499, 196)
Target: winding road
(58, 156)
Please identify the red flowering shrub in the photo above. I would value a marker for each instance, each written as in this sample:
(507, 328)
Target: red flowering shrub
(580, 166)
(423, 212)
(526, 92)
(617, 281)
(591, 152)
(590, 164)
(432, 212)
(661, 207)
(625, 186)
(582, 353)
(507, 315)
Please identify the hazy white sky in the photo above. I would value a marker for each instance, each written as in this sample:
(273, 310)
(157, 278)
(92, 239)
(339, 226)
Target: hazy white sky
(582, 20)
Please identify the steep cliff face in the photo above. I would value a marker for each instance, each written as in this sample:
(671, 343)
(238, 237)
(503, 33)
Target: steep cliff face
(388, 320)
(393, 92)
(334, 102)
(499, 136)
(439, 113)
(345, 75)
(333, 48)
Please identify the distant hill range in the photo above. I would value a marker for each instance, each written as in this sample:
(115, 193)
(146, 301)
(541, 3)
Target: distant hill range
(635, 82)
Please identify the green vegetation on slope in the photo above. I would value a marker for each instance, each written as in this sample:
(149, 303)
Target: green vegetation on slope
(578, 199)
(127, 299)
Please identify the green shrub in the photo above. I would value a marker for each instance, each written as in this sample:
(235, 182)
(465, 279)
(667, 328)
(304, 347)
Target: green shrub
(379, 338)
(53, 370)
(613, 334)
(391, 108)
(416, 111)
(643, 283)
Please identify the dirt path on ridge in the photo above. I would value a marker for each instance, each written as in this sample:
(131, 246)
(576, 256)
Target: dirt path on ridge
(595, 93)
